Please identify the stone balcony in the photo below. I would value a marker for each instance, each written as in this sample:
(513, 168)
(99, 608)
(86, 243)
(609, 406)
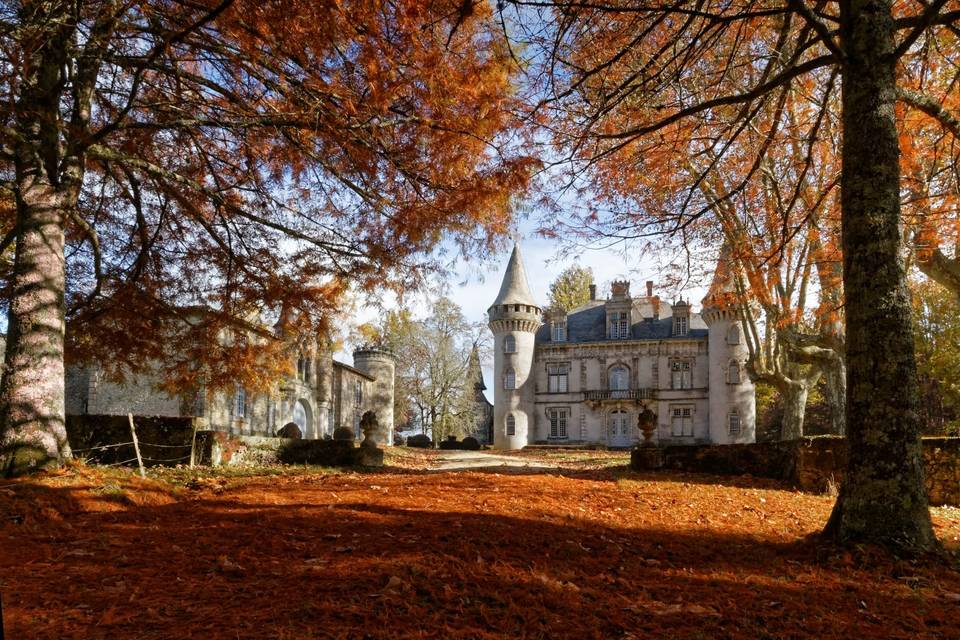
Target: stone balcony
(618, 396)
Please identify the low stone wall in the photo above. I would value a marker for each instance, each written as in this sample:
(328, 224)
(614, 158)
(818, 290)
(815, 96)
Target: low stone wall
(811, 464)
(218, 448)
(163, 440)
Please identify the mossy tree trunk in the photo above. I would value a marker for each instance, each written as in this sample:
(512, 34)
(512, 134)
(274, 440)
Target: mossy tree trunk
(46, 187)
(883, 498)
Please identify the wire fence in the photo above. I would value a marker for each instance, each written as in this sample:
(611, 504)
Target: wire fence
(106, 454)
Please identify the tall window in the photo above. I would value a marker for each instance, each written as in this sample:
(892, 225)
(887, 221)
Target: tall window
(619, 325)
(681, 374)
(559, 331)
(733, 372)
(681, 422)
(733, 423)
(240, 403)
(358, 393)
(680, 324)
(558, 422)
(557, 376)
(509, 344)
(619, 378)
(510, 379)
(511, 426)
(733, 335)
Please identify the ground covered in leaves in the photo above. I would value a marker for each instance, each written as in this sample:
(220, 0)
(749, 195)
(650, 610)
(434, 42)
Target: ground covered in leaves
(584, 550)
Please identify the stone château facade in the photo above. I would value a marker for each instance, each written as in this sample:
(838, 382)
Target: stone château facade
(323, 394)
(586, 376)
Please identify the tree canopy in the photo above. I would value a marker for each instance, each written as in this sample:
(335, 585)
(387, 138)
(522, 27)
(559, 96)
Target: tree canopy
(234, 155)
(665, 116)
(571, 288)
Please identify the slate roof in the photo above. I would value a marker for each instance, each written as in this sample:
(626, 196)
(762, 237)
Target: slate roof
(589, 324)
(514, 288)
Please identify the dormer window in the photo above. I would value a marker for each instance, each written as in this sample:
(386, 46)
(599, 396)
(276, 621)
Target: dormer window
(509, 344)
(619, 325)
(559, 330)
(680, 325)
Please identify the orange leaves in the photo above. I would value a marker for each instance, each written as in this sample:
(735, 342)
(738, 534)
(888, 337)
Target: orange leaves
(582, 554)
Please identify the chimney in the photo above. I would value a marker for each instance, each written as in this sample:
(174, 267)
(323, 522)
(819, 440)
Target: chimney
(593, 291)
(649, 288)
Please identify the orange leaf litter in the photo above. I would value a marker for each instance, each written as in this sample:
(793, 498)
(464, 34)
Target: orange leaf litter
(576, 552)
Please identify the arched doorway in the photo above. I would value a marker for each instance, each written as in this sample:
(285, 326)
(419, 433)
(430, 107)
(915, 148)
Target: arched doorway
(303, 417)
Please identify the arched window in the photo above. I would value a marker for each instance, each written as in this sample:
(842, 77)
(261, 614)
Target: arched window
(733, 423)
(511, 426)
(733, 372)
(733, 334)
(510, 379)
(619, 378)
(509, 344)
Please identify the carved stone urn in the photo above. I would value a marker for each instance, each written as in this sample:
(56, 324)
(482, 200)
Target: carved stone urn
(647, 423)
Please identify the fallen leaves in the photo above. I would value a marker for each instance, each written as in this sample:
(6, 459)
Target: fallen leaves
(399, 554)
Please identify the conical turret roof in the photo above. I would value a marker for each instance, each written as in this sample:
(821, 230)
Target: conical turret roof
(514, 289)
(723, 289)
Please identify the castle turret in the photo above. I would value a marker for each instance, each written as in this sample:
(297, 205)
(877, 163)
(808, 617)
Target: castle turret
(380, 364)
(514, 318)
(732, 403)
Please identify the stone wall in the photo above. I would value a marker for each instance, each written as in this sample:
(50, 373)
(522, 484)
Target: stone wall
(163, 440)
(812, 464)
(218, 448)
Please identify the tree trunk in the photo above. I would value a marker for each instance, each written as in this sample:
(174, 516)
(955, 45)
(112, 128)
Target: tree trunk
(794, 398)
(883, 498)
(835, 394)
(33, 432)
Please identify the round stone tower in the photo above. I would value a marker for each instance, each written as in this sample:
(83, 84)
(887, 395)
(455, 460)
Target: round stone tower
(514, 318)
(732, 394)
(379, 363)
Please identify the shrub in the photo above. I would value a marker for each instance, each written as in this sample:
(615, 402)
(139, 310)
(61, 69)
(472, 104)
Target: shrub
(420, 441)
(343, 433)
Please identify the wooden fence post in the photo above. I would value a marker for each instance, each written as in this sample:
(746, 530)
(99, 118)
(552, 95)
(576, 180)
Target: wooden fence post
(136, 446)
(193, 447)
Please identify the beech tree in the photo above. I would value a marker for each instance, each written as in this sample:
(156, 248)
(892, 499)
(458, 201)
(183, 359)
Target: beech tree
(571, 288)
(630, 83)
(236, 155)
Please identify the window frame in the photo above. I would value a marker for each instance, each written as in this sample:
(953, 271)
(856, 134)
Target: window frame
(509, 343)
(558, 330)
(240, 403)
(685, 412)
(734, 416)
(734, 372)
(509, 379)
(559, 419)
(681, 325)
(558, 377)
(510, 425)
(618, 367)
(685, 367)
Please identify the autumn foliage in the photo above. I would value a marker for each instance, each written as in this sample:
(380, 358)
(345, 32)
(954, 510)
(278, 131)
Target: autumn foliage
(586, 551)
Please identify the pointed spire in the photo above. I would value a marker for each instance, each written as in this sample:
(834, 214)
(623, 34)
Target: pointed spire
(723, 288)
(515, 289)
(473, 369)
